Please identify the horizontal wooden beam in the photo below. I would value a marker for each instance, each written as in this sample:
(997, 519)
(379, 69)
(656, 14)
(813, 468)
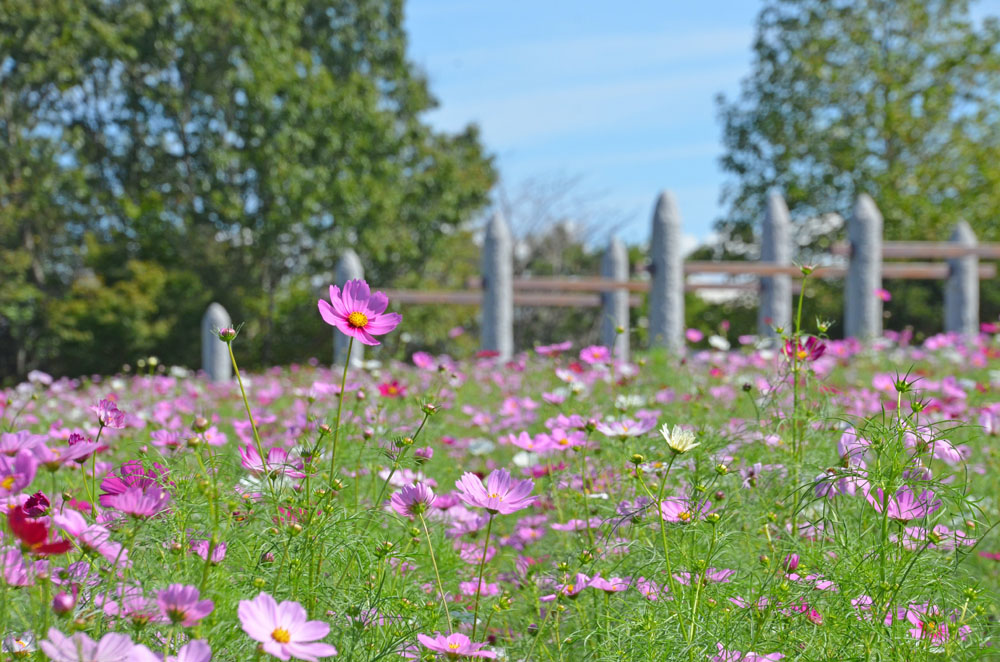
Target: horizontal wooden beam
(927, 250)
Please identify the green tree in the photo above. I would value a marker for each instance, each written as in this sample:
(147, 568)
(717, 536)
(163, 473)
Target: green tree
(898, 99)
(235, 145)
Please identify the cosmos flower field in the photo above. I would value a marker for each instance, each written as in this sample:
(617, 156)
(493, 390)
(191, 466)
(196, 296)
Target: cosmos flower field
(818, 500)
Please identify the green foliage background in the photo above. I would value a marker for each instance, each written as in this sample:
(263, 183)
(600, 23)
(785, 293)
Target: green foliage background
(159, 156)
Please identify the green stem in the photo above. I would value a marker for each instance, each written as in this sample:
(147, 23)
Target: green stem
(479, 585)
(340, 407)
(253, 424)
(437, 575)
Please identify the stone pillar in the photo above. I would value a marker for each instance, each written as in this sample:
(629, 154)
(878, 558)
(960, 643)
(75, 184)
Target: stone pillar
(961, 292)
(775, 247)
(498, 288)
(215, 359)
(862, 306)
(615, 313)
(666, 295)
(348, 268)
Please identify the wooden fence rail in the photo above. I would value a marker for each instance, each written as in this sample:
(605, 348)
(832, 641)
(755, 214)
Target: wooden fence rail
(497, 292)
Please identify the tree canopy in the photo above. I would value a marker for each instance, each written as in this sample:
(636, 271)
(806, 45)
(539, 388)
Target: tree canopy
(160, 155)
(899, 99)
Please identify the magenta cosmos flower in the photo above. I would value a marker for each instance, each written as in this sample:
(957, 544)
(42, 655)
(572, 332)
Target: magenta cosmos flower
(502, 494)
(112, 647)
(181, 603)
(905, 504)
(282, 629)
(358, 313)
(454, 646)
(412, 500)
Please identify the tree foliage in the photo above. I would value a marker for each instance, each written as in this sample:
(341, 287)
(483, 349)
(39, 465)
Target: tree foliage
(898, 99)
(210, 150)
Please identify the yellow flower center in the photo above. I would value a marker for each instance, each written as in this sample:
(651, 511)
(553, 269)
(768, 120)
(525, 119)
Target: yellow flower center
(494, 495)
(357, 320)
(453, 646)
(281, 635)
(564, 442)
(7, 482)
(685, 516)
(802, 354)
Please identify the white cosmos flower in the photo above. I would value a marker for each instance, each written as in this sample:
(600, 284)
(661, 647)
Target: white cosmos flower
(679, 440)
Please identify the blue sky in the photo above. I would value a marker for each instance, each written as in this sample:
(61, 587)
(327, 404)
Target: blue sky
(622, 98)
(621, 94)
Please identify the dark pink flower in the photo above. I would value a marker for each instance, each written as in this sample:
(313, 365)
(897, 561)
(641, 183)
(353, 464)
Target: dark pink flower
(454, 646)
(180, 603)
(810, 351)
(358, 313)
(131, 474)
(501, 495)
(392, 389)
(34, 534)
(283, 629)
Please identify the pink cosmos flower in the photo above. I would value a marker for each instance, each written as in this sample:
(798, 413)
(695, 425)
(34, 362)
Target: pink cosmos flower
(109, 415)
(905, 504)
(736, 656)
(502, 494)
(193, 651)
(810, 351)
(140, 503)
(277, 464)
(683, 511)
(392, 389)
(595, 354)
(694, 335)
(412, 500)
(555, 349)
(626, 428)
(358, 313)
(282, 629)
(200, 548)
(91, 537)
(712, 575)
(883, 294)
(112, 647)
(11, 443)
(179, 603)
(454, 646)
(16, 473)
(131, 474)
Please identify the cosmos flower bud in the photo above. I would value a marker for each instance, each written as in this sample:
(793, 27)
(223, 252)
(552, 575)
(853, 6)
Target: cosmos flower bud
(64, 603)
(227, 334)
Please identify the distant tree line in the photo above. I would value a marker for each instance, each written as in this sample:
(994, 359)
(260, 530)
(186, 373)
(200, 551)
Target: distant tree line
(157, 156)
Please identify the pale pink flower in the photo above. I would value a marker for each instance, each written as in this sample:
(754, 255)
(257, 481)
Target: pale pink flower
(283, 629)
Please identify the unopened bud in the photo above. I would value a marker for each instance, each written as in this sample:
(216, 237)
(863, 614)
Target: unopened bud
(227, 334)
